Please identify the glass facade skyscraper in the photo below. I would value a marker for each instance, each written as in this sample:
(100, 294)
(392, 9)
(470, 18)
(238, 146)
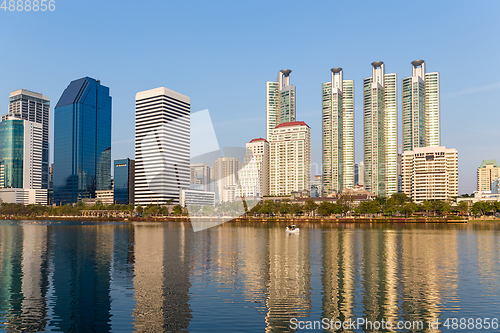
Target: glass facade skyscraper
(82, 141)
(280, 101)
(338, 133)
(124, 181)
(20, 154)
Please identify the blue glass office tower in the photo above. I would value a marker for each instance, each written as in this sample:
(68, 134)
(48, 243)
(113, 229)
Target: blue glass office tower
(82, 141)
(11, 153)
(124, 181)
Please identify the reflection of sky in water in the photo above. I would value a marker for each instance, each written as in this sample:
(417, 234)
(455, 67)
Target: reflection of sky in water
(241, 277)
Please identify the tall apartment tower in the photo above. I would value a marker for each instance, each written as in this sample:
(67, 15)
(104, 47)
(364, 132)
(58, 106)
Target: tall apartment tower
(280, 101)
(253, 178)
(487, 173)
(162, 146)
(420, 108)
(380, 131)
(338, 133)
(82, 141)
(290, 158)
(34, 107)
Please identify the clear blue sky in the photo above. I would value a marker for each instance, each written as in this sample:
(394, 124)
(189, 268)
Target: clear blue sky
(221, 53)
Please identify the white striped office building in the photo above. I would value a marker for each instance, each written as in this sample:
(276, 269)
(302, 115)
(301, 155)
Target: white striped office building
(162, 146)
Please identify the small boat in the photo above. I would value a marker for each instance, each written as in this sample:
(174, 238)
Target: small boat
(292, 229)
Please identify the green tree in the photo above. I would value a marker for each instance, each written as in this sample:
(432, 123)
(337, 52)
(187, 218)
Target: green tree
(139, 210)
(177, 210)
(463, 207)
(310, 207)
(408, 209)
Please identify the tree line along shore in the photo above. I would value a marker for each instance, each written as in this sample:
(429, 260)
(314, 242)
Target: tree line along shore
(398, 207)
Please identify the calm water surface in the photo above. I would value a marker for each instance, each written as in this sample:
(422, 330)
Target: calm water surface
(117, 277)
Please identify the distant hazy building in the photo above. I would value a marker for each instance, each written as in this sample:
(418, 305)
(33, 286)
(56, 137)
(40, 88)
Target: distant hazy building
(124, 179)
(280, 101)
(495, 186)
(162, 146)
(318, 183)
(290, 158)
(200, 177)
(253, 178)
(430, 173)
(380, 131)
(421, 108)
(338, 132)
(224, 174)
(34, 107)
(82, 141)
(487, 172)
(361, 174)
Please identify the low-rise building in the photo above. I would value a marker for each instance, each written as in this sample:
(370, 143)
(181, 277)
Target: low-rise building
(197, 198)
(430, 173)
(487, 172)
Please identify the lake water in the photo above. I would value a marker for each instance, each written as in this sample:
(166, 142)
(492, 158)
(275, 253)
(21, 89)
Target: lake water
(253, 277)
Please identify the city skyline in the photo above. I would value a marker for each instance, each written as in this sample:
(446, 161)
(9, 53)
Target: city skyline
(214, 54)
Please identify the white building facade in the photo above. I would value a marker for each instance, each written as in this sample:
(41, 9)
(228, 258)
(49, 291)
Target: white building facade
(290, 158)
(430, 173)
(338, 132)
(380, 131)
(162, 146)
(253, 178)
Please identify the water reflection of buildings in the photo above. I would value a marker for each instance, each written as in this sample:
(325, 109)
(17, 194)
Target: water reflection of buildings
(288, 288)
(429, 272)
(161, 283)
(338, 275)
(81, 280)
(34, 278)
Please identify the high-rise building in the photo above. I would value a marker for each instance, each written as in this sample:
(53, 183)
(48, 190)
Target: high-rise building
(487, 172)
(280, 101)
(290, 158)
(21, 153)
(224, 174)
(21, 162)
(253, 178)
(420, 108)
(380, 131)
(200, 177)
(430, 173)
(162, 146)
(124, 178)
(34, 107)
(82, 141)
(338, 133)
